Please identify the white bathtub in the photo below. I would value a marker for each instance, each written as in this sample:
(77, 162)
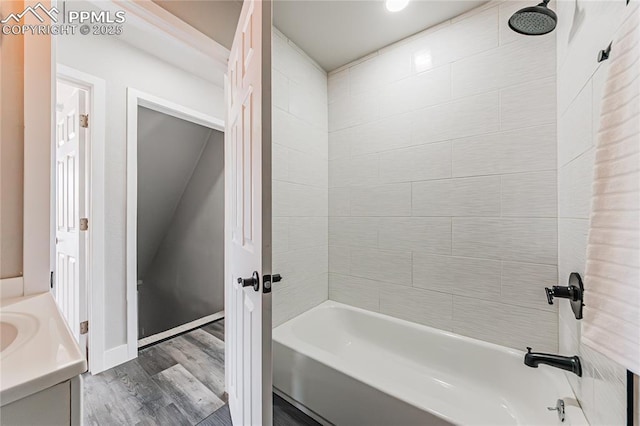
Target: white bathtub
(355, 367)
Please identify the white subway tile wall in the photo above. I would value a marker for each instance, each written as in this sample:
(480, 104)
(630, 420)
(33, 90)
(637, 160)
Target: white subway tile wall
(583, 30)
(442, 181)
(300, 181)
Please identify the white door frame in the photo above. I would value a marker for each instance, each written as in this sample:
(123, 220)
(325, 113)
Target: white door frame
(135, 99)
(39, 136)
(93, 257)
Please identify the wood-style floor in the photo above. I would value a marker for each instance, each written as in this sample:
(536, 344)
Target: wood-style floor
(179, 381)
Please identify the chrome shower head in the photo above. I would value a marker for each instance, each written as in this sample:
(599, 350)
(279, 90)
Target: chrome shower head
(534, 20)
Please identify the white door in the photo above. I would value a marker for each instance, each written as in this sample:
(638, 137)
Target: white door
(248, 209)
(70, 283)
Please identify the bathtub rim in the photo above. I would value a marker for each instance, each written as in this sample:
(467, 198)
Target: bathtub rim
(284, 335)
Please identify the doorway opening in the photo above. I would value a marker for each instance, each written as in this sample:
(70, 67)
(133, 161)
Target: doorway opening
(175, 219)
(180, 225)
(77, 198)
(71, 173)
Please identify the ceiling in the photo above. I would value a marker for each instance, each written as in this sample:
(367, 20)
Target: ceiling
(168, 151)
(336, 32)
(332, 32)
(217, 19)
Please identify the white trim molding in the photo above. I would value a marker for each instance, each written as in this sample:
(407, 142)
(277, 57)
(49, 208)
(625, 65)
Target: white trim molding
(174, 28)
(175, 110)
(116, 356)
(169, 38)
(136, 98)
(95, 253)
(39, 110)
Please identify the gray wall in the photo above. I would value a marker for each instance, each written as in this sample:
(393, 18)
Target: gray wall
(184, 281)
(168, 151)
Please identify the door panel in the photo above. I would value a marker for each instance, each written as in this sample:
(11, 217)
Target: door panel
(69, 192)
(248, 196)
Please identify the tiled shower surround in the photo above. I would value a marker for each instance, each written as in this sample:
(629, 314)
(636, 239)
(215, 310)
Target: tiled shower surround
(300, 227)
(602, 389)
(452, 199)
(442, 180)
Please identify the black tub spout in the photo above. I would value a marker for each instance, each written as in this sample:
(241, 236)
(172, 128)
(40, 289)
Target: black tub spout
(569, 363)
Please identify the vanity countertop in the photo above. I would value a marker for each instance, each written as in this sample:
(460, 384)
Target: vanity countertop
(38, 349)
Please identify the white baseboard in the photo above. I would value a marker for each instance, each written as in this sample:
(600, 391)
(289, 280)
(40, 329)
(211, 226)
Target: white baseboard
(115, 356)
(180, 329)
(11, 287)
(120, 354)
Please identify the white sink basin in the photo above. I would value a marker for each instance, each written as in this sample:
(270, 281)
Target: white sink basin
(8, 334)
(15, 330)
(37, 349)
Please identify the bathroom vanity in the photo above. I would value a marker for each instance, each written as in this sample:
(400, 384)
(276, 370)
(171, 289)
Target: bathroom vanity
(40, 364)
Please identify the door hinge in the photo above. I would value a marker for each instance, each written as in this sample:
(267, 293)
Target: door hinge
(52, 279)
(84, 327)
(84, 120)
(84, 224)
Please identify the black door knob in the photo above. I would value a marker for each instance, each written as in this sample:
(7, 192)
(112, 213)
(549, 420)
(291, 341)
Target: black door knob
(254, 281)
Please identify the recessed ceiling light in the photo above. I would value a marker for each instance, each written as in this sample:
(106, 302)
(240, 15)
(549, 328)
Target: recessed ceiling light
(396, 5)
